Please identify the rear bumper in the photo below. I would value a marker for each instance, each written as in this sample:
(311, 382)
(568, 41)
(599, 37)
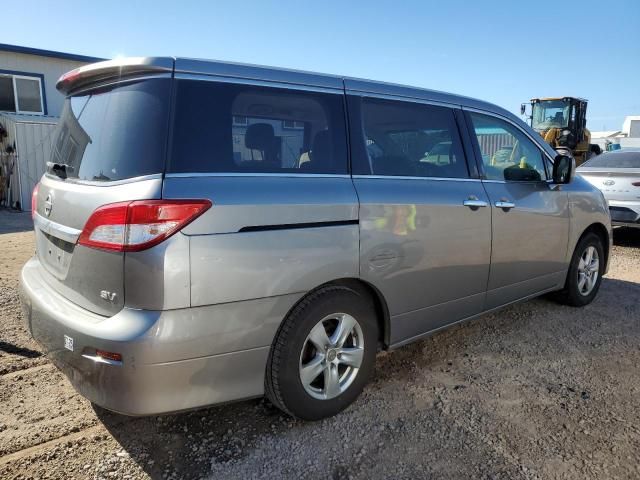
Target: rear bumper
(166, 365)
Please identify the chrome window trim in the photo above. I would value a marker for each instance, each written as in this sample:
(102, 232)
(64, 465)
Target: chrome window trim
(257, 83)
(510, 122)
(258, 174)
(57, 230)
(550, 182)
(110, 183)
(519, 182)
(316, 175)
(408, 177)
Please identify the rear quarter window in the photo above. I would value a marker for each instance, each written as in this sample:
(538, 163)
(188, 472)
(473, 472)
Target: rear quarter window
(114, 133)
(227, 128)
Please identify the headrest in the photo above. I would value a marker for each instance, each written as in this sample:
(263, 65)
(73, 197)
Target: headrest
(259, 136)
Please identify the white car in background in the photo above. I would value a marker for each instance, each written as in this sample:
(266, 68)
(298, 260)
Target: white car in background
(617, 175)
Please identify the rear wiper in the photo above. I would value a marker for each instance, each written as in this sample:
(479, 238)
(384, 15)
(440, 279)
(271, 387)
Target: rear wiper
(59, 169)
(101, 178)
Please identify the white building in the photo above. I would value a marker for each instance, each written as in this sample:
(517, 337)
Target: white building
(631, 126)
(628, 137)
(29, 110)
(28, 79)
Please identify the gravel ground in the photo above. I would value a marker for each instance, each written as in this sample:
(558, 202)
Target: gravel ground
(537, 390)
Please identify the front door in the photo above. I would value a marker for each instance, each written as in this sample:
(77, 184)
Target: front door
(425, 225)
(530, 215)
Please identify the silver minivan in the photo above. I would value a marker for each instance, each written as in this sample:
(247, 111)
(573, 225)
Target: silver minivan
(208, 231)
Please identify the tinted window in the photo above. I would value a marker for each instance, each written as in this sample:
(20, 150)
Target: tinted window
(244, 128)
(615, 160)
(114, 133)
(7, 97)
(507, 153)
(411, 139)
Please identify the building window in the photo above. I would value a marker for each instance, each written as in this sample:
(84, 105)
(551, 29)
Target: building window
(21, 94)
(292, 125)
(240, 121)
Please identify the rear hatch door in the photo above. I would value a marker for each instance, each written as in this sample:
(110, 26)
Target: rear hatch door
(109, 147)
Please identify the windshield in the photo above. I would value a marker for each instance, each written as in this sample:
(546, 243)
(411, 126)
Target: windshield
(550, 114)
(114, 133)
(619, 159)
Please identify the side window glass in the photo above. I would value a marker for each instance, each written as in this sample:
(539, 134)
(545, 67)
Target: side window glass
(285, 131)
(412, 139)
(507, 153)
(243, 128)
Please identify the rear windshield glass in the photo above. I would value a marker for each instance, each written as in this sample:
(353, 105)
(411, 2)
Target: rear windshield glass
(223, 128)
(114, 133)
(615, 160)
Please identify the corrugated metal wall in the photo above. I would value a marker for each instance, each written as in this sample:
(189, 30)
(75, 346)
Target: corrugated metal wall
(34, 142)
(32, 139)
(491, 143)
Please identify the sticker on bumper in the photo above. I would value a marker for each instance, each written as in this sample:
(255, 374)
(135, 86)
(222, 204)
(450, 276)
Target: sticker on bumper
(68, 342)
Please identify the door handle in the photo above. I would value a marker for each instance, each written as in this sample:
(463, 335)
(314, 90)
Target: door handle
(505, 204)
(474, 202)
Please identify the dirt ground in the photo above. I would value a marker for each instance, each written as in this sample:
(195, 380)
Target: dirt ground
(535, 391)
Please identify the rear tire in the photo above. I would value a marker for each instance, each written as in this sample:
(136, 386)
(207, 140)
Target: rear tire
(585, 272)
(323, 354)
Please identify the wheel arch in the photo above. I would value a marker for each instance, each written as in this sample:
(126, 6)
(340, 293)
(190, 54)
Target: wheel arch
(379, 303)
(366, 289)
(601, 231)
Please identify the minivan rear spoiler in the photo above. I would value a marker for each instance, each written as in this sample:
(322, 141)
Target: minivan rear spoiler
(113, 69)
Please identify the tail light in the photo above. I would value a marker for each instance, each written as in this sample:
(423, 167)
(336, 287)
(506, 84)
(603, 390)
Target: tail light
(138, 225)
(34, 201)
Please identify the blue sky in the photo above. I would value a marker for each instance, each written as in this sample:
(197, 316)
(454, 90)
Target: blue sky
(501, 51)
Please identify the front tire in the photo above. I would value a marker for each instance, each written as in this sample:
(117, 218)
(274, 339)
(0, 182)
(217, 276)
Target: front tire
(585, 272)
(323, 354)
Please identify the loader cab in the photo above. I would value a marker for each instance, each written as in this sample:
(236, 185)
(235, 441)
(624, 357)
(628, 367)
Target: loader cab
(567, 114)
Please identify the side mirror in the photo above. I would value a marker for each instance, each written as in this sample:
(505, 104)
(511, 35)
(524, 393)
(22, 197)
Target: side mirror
(564, 168)
(523, 108)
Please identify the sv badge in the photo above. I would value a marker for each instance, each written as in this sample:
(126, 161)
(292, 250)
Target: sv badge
(108, 296)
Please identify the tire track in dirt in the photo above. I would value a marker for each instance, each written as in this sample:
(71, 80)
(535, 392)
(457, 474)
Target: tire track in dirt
(28, 370)
(39, 405)
(40, 447)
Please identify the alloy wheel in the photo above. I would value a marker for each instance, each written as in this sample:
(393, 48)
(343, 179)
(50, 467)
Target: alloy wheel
(331, 356)
(588, 270)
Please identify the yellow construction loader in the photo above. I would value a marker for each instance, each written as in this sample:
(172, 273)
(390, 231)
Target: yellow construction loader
(562, 122)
